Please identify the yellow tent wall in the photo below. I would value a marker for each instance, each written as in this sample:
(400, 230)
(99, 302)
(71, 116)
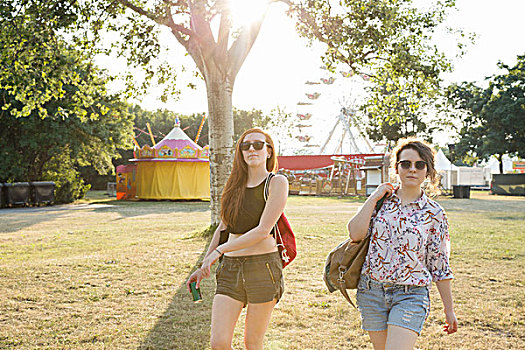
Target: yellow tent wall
(173, 180)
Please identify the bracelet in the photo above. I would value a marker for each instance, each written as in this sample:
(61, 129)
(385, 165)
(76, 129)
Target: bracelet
(218, 251)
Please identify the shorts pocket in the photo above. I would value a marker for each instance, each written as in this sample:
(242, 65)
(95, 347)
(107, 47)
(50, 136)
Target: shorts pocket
(363, 281)
(219, 270)
(275, 271)
(270, 272)
(419, 290)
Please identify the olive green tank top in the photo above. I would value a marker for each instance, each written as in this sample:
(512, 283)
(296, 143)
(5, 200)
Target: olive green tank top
(251, 210)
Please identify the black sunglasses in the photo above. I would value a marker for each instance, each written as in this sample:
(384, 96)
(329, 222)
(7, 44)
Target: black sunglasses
(257, 145)
(406, 164)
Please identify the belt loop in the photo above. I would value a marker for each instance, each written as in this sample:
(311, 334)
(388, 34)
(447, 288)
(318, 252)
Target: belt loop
(368, 283)
(406, 289)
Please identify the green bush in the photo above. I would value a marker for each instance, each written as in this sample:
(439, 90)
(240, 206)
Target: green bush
(69, 185)
(70, 190)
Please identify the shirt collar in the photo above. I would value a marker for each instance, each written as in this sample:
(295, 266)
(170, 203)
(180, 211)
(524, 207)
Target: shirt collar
(421, 201)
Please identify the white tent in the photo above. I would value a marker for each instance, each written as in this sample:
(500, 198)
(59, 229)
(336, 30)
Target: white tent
(445, 168)
(493, 164)
(442, 162)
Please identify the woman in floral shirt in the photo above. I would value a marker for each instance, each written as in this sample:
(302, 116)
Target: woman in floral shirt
(409, 248)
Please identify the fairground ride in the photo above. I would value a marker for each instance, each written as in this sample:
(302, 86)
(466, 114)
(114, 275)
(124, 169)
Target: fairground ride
(327, 122)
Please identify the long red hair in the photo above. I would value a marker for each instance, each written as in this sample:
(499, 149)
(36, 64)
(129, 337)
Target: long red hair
(233, 193)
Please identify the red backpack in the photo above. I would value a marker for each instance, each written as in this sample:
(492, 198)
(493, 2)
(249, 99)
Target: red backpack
(282, 232)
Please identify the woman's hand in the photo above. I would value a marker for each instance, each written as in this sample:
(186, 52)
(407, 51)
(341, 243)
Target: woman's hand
(381, 190)
(452, 322)
(208, 262)
(445, 291)
(195, 277)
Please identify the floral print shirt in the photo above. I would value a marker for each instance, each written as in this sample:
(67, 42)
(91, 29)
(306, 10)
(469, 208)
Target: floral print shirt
(409, 244)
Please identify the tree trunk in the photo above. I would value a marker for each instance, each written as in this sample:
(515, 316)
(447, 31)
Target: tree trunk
(500, 159)
(219, 90)
(219, 67)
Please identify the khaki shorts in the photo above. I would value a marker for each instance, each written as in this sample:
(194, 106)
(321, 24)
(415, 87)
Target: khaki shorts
(251, 279)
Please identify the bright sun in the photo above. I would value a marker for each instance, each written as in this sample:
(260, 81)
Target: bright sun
(244, 12)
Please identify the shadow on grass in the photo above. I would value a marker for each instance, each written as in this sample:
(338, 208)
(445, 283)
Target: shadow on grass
(16, 219)
(128, 209)
(19, 218)
(184, 324)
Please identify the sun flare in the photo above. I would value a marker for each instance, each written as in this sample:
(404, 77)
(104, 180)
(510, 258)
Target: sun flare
(245, 12)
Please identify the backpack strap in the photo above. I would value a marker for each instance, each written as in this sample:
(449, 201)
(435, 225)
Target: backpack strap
(380, 202)
(266, 193)
(377, 208)
(347, 297)
(267, 186)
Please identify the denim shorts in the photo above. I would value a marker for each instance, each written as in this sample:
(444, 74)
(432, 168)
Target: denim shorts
(251, 279)
(383, 304)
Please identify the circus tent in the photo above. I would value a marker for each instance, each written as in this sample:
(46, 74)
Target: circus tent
(175, 168)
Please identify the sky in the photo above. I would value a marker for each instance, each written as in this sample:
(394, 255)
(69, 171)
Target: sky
(275, 71)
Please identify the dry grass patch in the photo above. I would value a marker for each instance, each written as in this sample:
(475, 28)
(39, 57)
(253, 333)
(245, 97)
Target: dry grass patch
(111, 276)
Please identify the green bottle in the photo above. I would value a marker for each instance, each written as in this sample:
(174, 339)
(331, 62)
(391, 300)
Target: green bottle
(195, 292)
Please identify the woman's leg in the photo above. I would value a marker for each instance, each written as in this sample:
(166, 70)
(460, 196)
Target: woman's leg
(224, 315)
(400, 338)
(257, 319)
(378, 339)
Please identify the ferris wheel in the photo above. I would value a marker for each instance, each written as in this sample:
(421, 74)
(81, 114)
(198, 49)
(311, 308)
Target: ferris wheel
(358, 141)
(326, 118)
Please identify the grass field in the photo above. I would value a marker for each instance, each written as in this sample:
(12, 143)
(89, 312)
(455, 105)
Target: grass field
(110, 275)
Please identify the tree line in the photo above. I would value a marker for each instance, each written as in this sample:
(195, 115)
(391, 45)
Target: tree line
(492, 119)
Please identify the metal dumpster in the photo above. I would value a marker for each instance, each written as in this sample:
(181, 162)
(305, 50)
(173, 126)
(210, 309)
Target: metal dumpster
(461, 191)
(17, 193)
(2, 197)
(43, 192)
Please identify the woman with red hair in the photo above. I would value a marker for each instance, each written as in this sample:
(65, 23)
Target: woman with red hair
(250, 274)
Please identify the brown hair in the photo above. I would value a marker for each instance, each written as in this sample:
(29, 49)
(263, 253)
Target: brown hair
(427, 153)
(233, 193)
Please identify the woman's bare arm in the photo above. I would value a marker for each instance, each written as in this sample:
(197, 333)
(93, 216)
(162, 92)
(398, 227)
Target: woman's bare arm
(359, 223)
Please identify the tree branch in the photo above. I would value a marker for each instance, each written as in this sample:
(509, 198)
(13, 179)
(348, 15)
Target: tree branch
(224, 31)
(174, 26)
(143, 12)
(242, 46)
(166, 21)
(195, 52)
(201, 27)
(305, 18)
(202, 46)
(175, 30)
